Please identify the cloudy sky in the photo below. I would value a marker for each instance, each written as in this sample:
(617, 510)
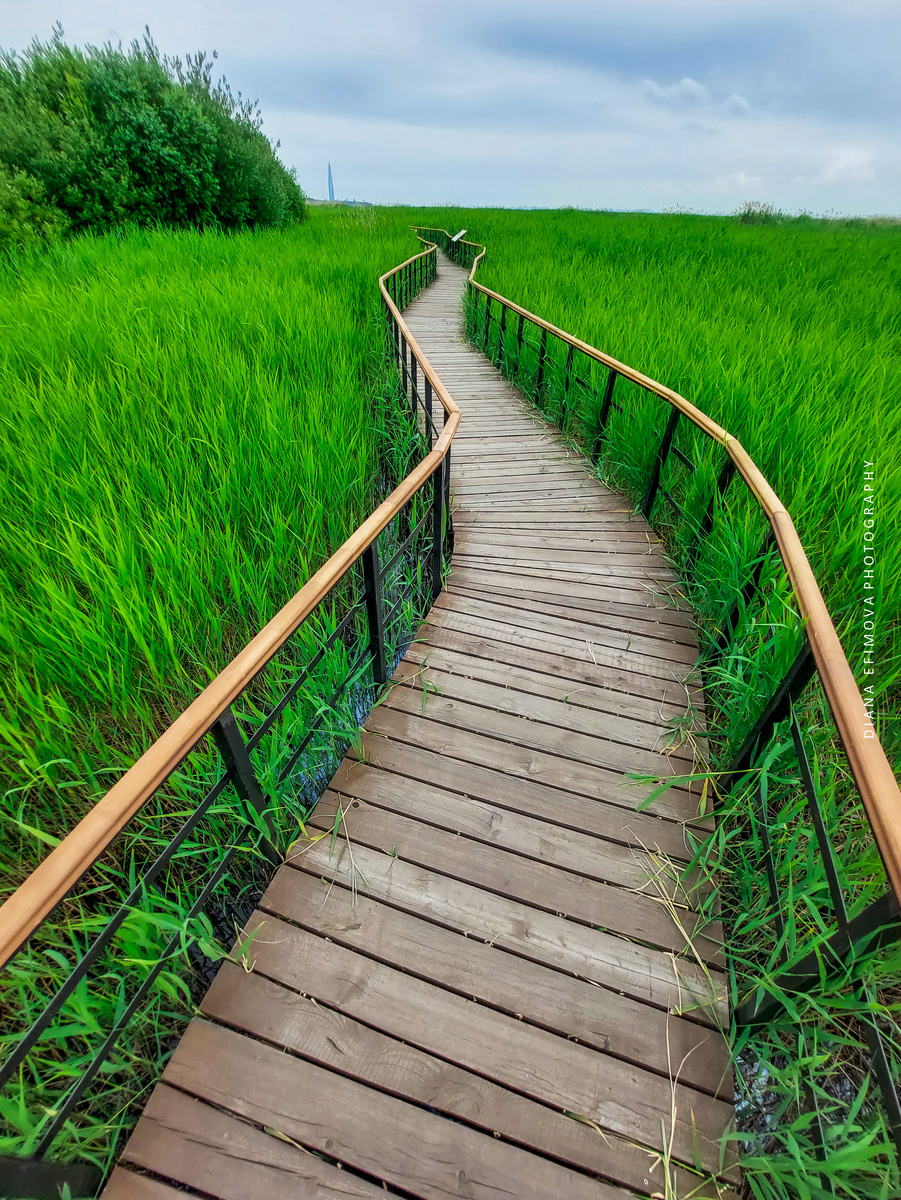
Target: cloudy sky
(626, 104)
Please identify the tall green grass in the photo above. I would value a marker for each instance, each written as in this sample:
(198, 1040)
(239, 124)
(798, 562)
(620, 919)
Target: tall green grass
(786, 336)
(187, 436)
(192, 424)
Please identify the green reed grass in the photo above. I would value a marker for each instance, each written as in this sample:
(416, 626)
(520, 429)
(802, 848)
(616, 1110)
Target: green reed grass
(192, 423)
(787, 335)
(784, 336)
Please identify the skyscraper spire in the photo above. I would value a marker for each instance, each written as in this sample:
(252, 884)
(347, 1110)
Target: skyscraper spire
(331, 186)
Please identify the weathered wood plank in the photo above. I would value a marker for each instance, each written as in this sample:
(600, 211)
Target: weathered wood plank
(379, 1135)
(650, 976)
(550, 804)
(264, 1009)
(635, 914)
(527, 990)
(620, 670)
(527, 762)
(563, 1074)
(591, 612)
(536, 696)
(129, 1185)
(568, 624)
(204, 1148)
(529, 721)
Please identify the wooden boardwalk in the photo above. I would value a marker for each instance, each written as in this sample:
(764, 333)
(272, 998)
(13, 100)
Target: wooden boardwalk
(491, 985)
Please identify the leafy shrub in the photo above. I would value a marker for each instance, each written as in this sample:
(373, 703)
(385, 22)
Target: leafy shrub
(115, 137)
(25, 216)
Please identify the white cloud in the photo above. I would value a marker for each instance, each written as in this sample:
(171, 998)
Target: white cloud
(737, 105)
(685, 93)
(736, 181)
(850, 164)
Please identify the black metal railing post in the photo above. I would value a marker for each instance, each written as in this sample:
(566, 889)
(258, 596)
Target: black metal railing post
(790, 687)
(542, 352)
(662, 454)
(567, 379)
(372, 584)
(487, 322)
(447, 504)
(722, 485)
(604, 414)
(519, 337)
(236, 758)
(437, 528)
(430, 425)
(36, 1178)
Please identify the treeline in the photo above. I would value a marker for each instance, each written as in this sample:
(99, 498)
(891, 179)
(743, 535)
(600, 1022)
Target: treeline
(95, 138)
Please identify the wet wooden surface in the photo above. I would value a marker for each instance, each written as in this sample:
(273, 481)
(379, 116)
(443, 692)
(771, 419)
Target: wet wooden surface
(493, 982)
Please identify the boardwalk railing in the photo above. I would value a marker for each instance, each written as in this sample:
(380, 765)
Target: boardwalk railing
(349, 598)
(543, 359)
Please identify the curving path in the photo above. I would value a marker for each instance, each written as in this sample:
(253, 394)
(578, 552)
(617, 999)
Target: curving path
(491, 985)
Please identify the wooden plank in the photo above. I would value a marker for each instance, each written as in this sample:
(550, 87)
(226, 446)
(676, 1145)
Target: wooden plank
(650, 976)
(523, 720)
(608, 1022)
(264, 1009)
(623, 671)
(580, 540)
(532, 694)
(201, 1147)
(548, 804)
(129, 1185)
(658, 578)
(595, 612)
(622, 599)
(552, 1070)
(614, 528)
(526, 762)
(377, 1134)
(617, 562)
(520, 833)
(568, 624)
(641, 915)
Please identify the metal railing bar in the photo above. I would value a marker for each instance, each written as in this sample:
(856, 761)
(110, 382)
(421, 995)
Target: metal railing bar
(102, 940)
(234, 754)
(352, 669)
(125, 1016)
(877, 925)
(793, 683)
(404, 545)
(882, 1070)
(816, 816)
(660, 461)
(295, 687)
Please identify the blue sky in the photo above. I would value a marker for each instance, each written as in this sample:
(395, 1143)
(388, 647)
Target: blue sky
(626, 104)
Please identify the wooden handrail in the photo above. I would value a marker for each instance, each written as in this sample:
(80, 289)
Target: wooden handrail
(867, 759)
(54, 877)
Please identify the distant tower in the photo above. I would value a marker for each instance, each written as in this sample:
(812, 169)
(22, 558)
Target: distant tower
(331, 186)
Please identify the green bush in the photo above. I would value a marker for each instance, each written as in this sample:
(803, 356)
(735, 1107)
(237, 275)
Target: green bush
(119, 137)
(25, 216)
